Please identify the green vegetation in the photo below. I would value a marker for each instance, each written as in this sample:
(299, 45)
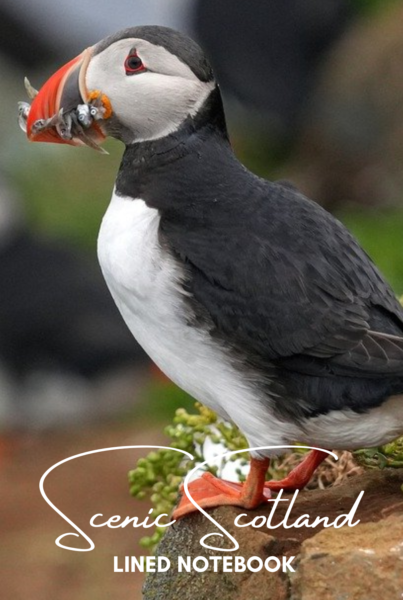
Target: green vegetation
(390, 455)
(160, 474)
(65, 197)
(371, 6)
(380, 234)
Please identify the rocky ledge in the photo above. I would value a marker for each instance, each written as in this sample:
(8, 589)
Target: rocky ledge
(364, 562)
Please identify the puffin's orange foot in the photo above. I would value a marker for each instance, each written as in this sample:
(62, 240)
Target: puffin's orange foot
(288, 484)
(209, 491)
(299, 477)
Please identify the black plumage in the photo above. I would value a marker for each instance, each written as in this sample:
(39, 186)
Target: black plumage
(268, 54)
(275, 277)
(55, 314)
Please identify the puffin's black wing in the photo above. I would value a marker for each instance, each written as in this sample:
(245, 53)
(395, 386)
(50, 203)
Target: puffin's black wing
(284, 280)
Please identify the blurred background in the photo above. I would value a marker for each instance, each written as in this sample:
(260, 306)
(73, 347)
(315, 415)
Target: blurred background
(313, 92)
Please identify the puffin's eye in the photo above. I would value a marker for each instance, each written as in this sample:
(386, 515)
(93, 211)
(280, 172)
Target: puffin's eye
(133, 64)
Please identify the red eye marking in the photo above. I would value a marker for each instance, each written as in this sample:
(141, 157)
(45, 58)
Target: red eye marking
(134, 64)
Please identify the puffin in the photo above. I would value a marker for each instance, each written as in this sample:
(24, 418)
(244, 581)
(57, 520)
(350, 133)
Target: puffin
(247, 294)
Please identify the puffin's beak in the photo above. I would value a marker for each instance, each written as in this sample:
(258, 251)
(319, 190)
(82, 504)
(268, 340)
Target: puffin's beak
(63, 92)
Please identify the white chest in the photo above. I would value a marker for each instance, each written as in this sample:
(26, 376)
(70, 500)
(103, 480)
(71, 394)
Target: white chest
(144, 281)
(141, 277)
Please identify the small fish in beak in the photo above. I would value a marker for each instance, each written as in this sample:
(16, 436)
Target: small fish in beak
(64, 111)
(23, 112)
(31, 91)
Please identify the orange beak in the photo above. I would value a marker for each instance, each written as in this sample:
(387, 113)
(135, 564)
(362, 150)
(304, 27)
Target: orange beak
(64, 90)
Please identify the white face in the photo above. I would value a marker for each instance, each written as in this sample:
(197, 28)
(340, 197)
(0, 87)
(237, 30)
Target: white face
(149, 104)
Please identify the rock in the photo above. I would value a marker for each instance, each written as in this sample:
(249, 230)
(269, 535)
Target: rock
(184, 540)
(364, 562)
(360, 563)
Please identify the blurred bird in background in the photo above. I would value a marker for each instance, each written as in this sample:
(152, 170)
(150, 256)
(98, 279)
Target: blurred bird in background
(267, 55)
(65, 354)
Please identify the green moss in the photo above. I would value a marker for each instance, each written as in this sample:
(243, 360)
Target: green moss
(390, 455)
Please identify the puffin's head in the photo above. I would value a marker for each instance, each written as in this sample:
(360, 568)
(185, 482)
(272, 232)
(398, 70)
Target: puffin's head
(139, 84)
